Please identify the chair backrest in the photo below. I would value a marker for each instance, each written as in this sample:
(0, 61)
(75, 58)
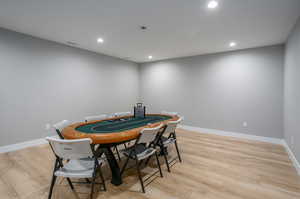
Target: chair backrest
(171, 126)
(60, 126)
(149, 134)
(121, 114)
(169, 113)
(71, 149)
(95, 117)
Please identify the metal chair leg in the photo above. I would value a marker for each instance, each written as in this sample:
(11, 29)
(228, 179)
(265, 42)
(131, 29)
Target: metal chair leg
(102, 178)
(140, 176)
(51, 186)
(93, 184)
(177, 150)
(70, 183)
(141, 162)
(158, 164)
(167, 162)
(148, 160)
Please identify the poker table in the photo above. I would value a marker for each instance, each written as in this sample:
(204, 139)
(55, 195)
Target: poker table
(114, 131)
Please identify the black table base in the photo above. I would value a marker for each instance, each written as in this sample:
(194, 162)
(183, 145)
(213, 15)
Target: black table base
(116, 178)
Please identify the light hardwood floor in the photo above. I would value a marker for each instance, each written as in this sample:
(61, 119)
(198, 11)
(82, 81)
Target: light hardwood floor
(214, 167)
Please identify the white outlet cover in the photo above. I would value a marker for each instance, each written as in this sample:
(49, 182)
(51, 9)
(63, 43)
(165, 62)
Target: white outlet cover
(245, 124)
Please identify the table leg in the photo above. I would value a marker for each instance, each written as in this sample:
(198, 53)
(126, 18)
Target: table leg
(114, 167)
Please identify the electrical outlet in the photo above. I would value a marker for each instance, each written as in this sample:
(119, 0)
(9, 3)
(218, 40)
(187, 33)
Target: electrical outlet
(245, 124)
(47, 127)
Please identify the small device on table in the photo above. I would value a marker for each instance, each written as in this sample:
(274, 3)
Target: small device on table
(139, 110)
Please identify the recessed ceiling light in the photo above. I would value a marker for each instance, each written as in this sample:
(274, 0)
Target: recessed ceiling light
(100, 40)
(232, 44)
(150, 57)
(212, 4)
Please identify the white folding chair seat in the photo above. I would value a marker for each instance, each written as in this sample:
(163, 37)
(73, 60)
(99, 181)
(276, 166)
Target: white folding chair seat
(145, 154)
(168, 141)
(81, 168)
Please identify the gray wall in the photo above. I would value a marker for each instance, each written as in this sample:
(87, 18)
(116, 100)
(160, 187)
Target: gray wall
(44, 82)
(220, 91)
(292, 91)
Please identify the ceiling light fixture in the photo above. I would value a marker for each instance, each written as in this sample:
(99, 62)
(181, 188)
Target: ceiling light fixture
(232, 44)
(150, 57)
(72, 43)
(212, 4)
(100, 40)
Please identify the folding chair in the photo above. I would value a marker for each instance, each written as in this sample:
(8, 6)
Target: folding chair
(75, 159)
(168, 137)
(143, 148)
(60, 126)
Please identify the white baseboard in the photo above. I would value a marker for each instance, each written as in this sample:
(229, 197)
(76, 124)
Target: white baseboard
(233, 134)
(22, 145)
(250, 137)
(292, 157)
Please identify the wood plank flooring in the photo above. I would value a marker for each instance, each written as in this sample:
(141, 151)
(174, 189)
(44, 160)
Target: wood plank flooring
(214, 167)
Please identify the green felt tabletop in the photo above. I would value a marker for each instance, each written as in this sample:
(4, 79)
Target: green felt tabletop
(110, 126)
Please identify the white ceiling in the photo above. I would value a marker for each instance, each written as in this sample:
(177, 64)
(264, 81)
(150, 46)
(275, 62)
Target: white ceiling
(176, 28)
